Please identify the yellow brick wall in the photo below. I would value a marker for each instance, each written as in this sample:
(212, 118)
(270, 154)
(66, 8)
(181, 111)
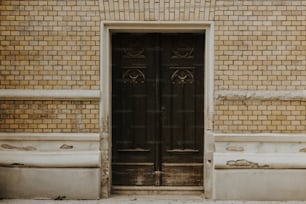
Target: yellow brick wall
(260, 116)
(49, 116)
(161, 10)
(260, 45)
(49, 44)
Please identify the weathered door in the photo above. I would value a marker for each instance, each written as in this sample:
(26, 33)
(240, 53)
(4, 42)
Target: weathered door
(158, 115)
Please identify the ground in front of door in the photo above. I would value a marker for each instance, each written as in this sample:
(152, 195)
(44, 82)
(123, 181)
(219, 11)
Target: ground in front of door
(146, 200)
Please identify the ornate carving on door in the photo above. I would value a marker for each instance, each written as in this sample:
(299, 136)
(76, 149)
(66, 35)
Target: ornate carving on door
(133, 52)
(182, 53)
(133, 75)
(182, 75)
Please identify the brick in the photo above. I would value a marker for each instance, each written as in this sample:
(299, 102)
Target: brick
(49, 116)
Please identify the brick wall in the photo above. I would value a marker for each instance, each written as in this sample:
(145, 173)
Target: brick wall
(49, 44)
(49, 116)
(162, 10)
(260, 116)
(260, 45)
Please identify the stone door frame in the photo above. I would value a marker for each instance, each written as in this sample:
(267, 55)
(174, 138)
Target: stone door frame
(107, 27)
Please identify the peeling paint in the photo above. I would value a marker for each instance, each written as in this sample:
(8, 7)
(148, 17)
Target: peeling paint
(235, 149)
(80, 124)
(105, 125)
(60, 197)
(17, 164)
(140, 180)
(243, 163)
(27, 148)
(65, 146)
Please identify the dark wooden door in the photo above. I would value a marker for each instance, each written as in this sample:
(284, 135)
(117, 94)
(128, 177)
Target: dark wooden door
(158, 115)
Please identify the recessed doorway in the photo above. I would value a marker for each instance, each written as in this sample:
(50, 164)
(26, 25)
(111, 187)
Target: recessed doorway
(157, 109)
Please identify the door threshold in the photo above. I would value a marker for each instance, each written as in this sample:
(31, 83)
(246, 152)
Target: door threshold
(157, 190)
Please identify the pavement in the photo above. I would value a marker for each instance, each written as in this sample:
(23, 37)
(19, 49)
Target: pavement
(148, 199)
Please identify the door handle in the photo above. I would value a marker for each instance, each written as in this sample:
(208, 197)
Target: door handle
(163, 108)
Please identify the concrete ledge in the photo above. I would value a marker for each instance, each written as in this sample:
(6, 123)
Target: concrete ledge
(259, 137)
(94, 137)
(50, 142)
(260, 95)
(260, 160)
(259, 143)
(161, 25)
(49, 183)
(50, 159)
(20, 94)
(260, 185)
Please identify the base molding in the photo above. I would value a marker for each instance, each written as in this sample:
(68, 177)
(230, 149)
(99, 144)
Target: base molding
(260, 185)
(157, 190)
(49, 183)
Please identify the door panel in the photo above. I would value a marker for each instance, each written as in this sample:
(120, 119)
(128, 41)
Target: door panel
(134, 109)
(158, 111)
(182, 103)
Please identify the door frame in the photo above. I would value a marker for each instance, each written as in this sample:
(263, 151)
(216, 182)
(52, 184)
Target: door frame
(106, 29)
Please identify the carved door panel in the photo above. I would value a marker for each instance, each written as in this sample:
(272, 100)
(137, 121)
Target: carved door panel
(182, 95)
(158, 112)
(134, 114)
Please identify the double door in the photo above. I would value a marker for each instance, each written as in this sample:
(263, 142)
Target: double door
(157, 113)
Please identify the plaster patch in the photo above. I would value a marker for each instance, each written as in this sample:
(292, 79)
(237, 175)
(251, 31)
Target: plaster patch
(243, 163)
(235, 149)
(27, 148)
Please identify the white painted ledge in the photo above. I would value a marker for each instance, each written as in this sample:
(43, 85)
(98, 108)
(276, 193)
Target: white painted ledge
(260, 160)
(261, 95)
(91, 137)
(157, 26)
(78, 159)
(259, 137)
(20, 94)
